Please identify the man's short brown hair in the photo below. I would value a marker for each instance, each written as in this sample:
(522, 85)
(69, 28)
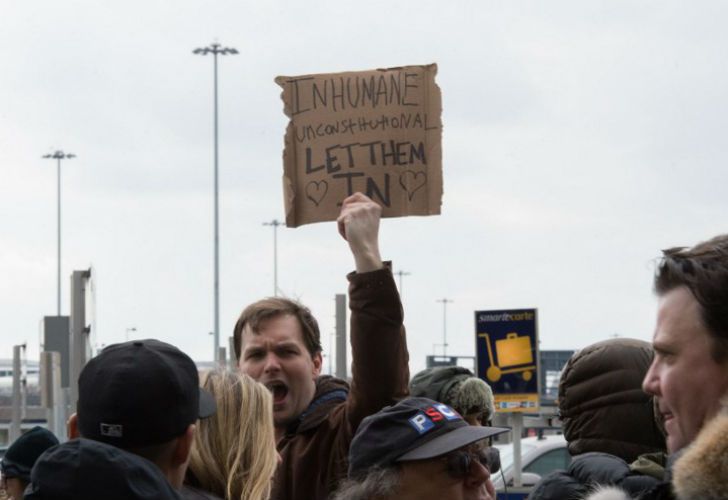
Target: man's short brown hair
(703, 269)
(272, 307)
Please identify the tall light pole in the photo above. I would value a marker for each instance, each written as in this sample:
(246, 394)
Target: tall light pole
(445, 302)
(275, 223)
(215, 49)
(59, 155)
(401, 273)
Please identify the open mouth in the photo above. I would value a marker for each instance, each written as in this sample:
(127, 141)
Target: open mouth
(279, 391)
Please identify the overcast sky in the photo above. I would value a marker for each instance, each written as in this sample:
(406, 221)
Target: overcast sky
(579, 139)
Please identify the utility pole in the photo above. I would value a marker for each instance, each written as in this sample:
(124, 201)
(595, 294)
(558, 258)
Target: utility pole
(275, 223)
(401, 273)
(215, 49)
(59, 155)
(18, 399)
(444, 302)
(130, 329)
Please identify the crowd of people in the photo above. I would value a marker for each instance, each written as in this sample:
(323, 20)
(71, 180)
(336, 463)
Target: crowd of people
(641, 421)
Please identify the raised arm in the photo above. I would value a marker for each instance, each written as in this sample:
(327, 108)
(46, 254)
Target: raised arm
(380, 370)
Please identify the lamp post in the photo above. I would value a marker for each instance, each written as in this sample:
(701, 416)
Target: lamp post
(59, 155)
(275, 223)
(215, 49)
(445, 302)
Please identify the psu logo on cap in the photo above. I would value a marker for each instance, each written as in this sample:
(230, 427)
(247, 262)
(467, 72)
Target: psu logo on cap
(427, 420)
(112, 430)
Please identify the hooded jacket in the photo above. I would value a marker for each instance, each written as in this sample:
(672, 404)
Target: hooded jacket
(315, 448)
(82, 469)
(608, 421)
(601, 402)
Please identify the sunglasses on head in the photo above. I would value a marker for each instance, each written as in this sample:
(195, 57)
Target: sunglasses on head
(459, 462)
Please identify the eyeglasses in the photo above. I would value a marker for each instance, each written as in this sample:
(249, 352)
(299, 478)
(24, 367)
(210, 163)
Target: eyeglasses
(460, 461)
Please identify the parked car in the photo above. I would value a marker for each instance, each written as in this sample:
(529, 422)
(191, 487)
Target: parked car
(539, 457)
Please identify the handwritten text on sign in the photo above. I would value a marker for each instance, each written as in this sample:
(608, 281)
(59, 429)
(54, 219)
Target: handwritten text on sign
(378, 132)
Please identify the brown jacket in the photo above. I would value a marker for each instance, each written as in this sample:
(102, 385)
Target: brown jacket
(316, 447)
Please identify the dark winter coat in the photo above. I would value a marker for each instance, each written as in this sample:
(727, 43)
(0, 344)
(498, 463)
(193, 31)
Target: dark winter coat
(82, 469)
(663, 490)
(588, 470)
(316, 447)
(608, 420)
(191, 493)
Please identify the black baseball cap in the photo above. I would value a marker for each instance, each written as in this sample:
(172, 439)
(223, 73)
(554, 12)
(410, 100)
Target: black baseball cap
(413, 429)
(140, 393)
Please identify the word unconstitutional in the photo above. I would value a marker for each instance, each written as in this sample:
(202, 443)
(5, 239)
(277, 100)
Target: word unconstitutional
(425, 421)
(362, 124)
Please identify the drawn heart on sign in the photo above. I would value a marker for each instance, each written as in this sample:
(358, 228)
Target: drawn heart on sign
(316, 191)
(412, 181)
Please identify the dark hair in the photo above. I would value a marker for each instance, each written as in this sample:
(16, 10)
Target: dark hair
(703, 269)
(272, 307)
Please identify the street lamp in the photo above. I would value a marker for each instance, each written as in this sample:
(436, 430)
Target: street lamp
(59, 155)
(445, 302)
(215, 49)
(275, 223)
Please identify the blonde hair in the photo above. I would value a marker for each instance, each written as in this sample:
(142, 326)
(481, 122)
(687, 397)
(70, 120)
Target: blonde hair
(234, 454)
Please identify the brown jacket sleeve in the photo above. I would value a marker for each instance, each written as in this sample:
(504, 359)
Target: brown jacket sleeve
(380, 372)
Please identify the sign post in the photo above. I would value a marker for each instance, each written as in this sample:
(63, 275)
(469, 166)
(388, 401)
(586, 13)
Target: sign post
(506, 346)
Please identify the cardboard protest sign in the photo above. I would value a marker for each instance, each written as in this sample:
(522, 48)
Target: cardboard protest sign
(378, 132)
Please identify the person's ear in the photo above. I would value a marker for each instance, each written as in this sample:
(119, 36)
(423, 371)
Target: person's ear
(317, 363)
(184, 446)
(72, 427)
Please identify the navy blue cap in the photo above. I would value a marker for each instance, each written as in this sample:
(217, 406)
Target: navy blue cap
(413, 429)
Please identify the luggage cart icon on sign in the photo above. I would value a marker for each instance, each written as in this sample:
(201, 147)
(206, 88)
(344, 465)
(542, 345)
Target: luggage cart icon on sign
(512, 353)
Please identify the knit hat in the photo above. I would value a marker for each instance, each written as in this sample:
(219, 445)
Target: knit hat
(457, 387)
(22, 454)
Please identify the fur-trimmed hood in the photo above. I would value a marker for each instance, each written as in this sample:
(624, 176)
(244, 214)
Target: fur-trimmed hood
(702, 471)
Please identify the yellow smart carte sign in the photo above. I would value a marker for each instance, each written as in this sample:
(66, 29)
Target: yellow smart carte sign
(507, 357)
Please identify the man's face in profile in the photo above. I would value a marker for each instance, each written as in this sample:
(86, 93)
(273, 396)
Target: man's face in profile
(684, 375)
